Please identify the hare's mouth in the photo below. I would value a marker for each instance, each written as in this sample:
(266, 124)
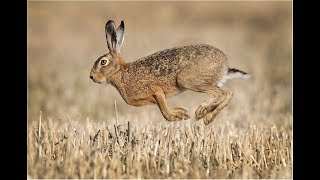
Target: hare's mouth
(99, 82)
(96, 81)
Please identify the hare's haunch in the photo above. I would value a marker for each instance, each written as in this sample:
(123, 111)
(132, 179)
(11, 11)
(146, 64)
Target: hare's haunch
(151, 79)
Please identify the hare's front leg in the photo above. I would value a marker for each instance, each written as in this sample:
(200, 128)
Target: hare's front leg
(176, 114)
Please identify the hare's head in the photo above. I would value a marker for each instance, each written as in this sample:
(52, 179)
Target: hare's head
(108, 64)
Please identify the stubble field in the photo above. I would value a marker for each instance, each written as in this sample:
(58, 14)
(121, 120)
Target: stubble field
(86, 130)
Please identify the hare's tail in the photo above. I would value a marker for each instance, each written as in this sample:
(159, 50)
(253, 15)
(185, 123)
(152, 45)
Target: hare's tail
(237, 74)
(233, 74)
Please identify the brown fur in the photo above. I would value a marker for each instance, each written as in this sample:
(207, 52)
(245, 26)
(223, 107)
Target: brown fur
(151, 79)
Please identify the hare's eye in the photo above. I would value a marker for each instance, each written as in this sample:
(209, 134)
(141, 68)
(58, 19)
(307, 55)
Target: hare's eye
(103, 62)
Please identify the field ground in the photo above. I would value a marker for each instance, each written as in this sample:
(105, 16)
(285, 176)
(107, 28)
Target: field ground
(80, 133)
(175, 150)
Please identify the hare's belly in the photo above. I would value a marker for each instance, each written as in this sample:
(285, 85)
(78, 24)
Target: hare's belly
(142, 91)
(148, 89)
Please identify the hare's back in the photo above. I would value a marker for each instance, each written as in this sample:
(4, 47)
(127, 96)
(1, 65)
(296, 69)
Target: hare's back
(178, 57)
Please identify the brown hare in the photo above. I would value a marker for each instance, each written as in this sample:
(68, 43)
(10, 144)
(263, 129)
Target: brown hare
(201, 68)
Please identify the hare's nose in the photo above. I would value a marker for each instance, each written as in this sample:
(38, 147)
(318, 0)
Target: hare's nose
(91, 77)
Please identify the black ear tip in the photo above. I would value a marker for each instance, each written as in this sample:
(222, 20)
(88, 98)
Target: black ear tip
(122, 23)
(110, 22)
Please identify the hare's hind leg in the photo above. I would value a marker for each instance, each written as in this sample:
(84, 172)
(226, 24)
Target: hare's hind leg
(209, 117)
(210, 108)
(213, 103)
(204, 79)
(176, 114)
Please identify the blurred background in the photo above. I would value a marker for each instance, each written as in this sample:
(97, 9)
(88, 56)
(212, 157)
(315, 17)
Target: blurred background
(65, 38)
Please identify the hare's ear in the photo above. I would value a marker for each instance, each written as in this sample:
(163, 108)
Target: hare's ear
(120, 35)
(111, 35)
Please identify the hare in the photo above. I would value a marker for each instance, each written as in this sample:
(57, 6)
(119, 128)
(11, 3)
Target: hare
(151, 79)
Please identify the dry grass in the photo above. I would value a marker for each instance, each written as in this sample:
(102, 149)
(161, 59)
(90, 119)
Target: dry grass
(80, 135)
(66, 149)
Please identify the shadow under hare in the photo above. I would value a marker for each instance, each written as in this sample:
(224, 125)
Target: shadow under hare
(149, 80)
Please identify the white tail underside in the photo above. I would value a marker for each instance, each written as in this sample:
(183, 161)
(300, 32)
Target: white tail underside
(233, 75)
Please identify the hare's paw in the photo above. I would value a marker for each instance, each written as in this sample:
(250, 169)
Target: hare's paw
(210, 117)
(178, 109)
(201, 112)
(204, 109)
(179, 114)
